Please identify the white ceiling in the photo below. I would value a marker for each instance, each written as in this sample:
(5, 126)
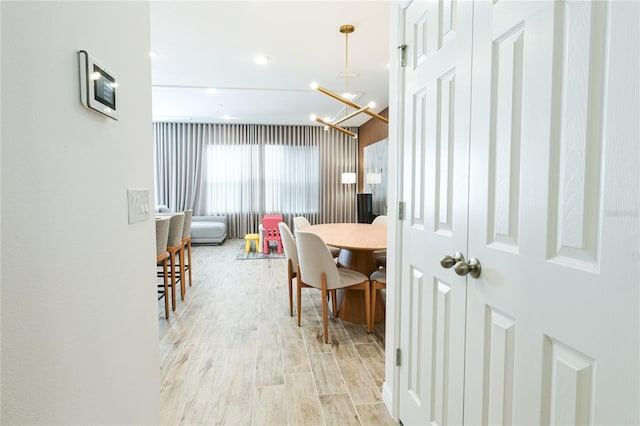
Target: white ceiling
(206, 44)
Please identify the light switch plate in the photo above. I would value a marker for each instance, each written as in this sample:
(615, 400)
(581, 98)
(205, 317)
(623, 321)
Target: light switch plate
(138, 205)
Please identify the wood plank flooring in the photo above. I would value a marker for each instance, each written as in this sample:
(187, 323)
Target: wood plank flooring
(231, 355)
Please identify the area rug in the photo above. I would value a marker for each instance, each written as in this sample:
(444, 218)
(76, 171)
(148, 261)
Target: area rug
(242, 255)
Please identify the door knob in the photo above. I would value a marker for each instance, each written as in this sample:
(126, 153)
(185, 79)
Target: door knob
(448, 261)
(472, 268)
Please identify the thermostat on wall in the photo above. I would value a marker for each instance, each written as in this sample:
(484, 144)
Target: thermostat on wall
(97, 86)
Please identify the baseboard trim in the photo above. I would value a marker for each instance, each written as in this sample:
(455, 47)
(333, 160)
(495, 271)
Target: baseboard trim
(387, 398)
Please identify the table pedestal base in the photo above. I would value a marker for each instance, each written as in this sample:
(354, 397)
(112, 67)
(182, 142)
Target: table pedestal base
(351, 306)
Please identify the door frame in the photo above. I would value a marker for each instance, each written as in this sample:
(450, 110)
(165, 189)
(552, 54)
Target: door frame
(391, 385)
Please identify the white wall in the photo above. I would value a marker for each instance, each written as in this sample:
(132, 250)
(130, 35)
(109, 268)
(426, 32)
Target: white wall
(79, 314)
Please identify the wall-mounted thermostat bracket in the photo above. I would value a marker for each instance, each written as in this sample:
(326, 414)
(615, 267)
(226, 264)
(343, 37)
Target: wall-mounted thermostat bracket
(97, 86)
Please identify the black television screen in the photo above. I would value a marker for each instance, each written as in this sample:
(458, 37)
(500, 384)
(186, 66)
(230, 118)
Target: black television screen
(104, 90)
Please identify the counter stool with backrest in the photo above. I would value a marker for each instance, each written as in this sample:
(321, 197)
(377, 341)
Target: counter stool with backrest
(186, 241)
(162, 235)
(175, 246)
(316, 268)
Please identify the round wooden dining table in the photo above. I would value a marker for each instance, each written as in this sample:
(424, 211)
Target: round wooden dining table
(357, 242)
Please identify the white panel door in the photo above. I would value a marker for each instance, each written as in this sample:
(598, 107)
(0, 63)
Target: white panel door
(435, 151)
(552, 321)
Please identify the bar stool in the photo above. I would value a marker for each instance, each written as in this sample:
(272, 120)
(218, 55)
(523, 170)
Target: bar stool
(175, 246)
(162, 235)
(186, 240)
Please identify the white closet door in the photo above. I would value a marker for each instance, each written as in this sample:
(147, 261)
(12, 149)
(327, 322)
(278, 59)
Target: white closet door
(552, 321)
(435, 151)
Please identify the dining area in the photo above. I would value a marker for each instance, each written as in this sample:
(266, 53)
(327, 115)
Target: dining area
(345, 261)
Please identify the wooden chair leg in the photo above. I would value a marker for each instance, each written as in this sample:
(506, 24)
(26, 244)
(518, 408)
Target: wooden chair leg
(189, 257)
(299, 296)
(373, 303)
(172, 261)
(334, 302)
(183, 284)
(166, 288)
(290, 276)
(367, 302)
(325, 314)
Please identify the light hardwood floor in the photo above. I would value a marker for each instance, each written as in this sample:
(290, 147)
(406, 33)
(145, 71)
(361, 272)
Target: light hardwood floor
(231, 354)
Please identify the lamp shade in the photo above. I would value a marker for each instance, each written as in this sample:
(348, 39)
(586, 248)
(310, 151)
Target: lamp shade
(348, 178)
(374, 178)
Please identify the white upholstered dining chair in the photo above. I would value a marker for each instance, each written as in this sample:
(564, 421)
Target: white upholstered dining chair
(378, 281)
(317, 269)
(291, 254)
(301, 222)
(381, 255)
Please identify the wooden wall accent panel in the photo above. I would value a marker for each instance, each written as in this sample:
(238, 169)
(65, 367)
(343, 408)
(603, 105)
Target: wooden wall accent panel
(577, 122)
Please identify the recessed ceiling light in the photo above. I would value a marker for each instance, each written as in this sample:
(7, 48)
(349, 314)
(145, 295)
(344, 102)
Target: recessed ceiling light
(153, 53)
(212, 91)
(261, 60)
(226, 117)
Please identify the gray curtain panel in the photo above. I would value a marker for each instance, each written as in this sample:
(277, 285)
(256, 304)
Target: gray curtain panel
(247, 171)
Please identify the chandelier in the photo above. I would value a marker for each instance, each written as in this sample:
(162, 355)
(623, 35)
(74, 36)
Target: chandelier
(346, 97)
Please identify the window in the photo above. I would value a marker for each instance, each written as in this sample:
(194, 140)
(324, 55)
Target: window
(291, 179)
(285, 178)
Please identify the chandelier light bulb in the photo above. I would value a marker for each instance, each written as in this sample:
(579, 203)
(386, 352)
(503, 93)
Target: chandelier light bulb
(372, 104)
(314, 86)
(313, 117)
